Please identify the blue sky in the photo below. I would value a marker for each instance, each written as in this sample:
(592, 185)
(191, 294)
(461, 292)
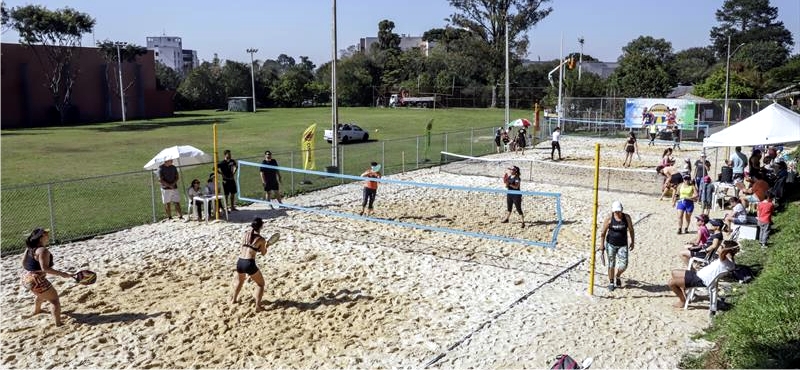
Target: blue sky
(303, 27)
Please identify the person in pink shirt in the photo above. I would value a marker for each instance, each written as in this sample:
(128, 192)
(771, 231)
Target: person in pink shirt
(765, 210)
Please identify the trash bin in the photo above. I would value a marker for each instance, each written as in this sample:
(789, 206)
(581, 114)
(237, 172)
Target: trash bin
(332, 169)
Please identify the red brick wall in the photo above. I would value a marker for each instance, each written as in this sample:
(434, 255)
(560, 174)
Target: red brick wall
(25, 98)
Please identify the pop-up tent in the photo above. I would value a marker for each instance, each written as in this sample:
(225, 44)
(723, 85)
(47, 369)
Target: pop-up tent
(774, 124)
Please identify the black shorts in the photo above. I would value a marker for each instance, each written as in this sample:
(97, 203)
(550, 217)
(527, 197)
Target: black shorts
(229, 187)
(271, 185)
(691, 280)
(497, 141)
(248, 267)
(676, 179)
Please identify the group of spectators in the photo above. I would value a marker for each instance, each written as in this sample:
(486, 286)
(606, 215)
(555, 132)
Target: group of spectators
(169, 177)
(505, 142)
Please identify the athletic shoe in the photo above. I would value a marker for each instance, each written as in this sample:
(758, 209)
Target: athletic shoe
(618, 282)
(679, 231)
(611, 287)
(686, 230)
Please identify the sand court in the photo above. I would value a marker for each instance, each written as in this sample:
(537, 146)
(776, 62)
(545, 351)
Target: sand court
(353, 293)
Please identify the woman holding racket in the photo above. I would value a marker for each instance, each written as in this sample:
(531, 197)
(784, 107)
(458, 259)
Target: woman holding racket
(38, 262)
(246, 264)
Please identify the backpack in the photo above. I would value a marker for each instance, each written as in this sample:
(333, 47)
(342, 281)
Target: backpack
(743, 274)
(565, 362)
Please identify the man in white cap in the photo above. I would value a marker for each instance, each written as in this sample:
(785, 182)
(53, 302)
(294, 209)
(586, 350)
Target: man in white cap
(616, 229)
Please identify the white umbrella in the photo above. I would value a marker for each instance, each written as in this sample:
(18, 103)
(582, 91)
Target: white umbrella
(183, 155)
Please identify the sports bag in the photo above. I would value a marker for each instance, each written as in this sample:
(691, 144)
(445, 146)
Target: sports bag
(565, 362)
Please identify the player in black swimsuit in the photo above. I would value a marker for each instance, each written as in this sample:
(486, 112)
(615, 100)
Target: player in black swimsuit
(38, 263)
(246, 265)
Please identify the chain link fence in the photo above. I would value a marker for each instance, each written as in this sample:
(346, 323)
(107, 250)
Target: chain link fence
(83, 208)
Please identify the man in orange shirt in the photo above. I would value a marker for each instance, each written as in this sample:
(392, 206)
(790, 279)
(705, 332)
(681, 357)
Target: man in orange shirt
(756, 193)
(370, 188)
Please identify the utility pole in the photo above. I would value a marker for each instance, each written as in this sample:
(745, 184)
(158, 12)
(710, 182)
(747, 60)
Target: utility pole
(580, 60)
(334, 103)
(253, 76)
(508, 119)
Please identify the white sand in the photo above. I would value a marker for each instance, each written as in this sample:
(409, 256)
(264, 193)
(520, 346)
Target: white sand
(350, 293)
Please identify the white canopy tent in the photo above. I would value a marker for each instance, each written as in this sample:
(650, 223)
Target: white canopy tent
(774, 124)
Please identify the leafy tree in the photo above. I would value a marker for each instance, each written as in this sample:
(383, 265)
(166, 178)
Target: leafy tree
(787, 73)
(235, 79)
(645, 68)
(202, 88)
(714, 86)
(59, 32)
(693, 65)
(292, 87)
(488, 20)
(387, 40)
(128, 54)
(166, 77)
(5, 18)
(285, 62)
(355, 77)
(749, 21)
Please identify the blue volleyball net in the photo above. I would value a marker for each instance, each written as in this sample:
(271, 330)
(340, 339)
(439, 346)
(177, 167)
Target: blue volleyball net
(470, 206)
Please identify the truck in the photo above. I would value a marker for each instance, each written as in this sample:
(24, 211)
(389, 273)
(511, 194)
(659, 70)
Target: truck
(347, 132)
(403, 99)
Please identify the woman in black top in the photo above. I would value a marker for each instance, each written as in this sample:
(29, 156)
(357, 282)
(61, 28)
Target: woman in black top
(513, 182)
(38, 262)
(246, 264)
(616, 229)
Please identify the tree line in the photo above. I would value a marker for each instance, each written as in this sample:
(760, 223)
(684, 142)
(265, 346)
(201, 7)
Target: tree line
(469, 52)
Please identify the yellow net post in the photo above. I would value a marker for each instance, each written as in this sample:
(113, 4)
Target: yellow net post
(594, 216)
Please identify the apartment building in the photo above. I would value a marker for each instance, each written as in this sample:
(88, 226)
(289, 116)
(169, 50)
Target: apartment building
(169, 51)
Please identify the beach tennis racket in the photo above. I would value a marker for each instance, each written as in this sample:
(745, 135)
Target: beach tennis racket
(273, 239)
(85, 277)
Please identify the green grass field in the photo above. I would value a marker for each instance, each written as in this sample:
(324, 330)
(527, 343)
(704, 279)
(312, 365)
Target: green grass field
(52, 154)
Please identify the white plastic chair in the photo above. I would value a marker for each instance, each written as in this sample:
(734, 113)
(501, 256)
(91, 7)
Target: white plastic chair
(208, 203)
(712, 288)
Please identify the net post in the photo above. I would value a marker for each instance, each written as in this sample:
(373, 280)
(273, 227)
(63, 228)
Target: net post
(594, 216)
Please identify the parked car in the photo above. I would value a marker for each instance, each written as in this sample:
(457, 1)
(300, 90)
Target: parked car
(347, 132)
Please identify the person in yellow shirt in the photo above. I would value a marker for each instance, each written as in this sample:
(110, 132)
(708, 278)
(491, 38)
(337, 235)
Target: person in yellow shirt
(683, 200)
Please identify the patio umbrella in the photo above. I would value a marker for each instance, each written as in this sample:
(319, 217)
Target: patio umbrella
(520, 122)
(182, 155)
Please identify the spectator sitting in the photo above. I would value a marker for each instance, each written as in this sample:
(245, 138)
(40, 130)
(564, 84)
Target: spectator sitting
(756, 193)
(196, 191)
(738, 215)
(682, 279)
(709, 245)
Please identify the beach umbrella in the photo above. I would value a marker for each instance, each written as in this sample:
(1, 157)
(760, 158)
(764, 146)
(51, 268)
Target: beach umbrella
(182, 155)
(520, 122)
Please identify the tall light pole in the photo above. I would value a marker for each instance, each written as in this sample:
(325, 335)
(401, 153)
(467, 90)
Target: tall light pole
(334, 103)
(119, 44)
(507, 98)
(580, 61)
(727, 78)
(253, 75)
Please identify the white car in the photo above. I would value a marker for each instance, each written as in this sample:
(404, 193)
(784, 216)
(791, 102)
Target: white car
(348, 132)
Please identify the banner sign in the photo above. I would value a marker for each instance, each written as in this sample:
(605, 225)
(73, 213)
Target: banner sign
(307, 147)
(662, 112)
